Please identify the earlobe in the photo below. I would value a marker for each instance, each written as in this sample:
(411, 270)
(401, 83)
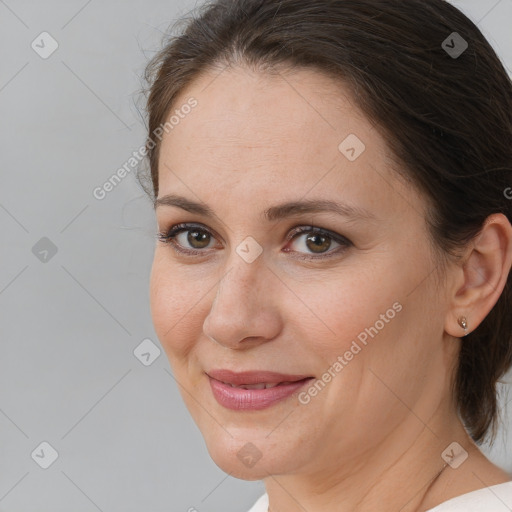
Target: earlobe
(463, 323)
(484, 274)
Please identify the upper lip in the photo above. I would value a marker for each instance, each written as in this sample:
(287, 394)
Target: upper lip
(253, 377)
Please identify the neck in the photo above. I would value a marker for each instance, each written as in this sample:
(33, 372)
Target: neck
(405, 472)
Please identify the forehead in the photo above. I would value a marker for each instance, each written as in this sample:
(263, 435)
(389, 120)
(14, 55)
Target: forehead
(281, 131)
(285, 103)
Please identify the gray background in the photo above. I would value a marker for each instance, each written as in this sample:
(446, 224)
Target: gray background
(69, 325)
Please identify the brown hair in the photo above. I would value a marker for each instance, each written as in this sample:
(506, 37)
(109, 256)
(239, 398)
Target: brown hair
(447, 119)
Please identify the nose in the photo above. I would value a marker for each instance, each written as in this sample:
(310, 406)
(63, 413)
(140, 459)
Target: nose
(245, 310)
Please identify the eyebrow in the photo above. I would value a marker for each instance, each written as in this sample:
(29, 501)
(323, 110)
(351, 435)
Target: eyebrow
(273, 213)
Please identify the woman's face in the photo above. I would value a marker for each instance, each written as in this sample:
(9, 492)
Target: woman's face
(356, 301)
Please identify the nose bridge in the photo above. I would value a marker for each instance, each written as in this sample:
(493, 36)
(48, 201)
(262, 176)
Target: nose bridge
(241, 308)
(239, 285)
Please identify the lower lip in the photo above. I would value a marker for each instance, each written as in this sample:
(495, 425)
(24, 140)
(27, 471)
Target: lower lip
(240, 399)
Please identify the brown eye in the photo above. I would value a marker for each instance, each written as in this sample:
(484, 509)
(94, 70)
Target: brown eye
(187, 239)
(310, 241)
(318, 243)
(198, 238)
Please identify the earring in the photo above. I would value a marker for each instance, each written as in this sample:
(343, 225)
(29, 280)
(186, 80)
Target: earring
(463, 323)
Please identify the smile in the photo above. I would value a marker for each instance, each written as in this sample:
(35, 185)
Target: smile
(256, 395)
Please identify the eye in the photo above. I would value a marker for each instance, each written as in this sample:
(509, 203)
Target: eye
(318, 241)
(181, 235)
(192, 240)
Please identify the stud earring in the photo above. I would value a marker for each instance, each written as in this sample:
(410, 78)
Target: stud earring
(463, 323)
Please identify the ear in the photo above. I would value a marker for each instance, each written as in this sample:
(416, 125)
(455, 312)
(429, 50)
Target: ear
(482, 276)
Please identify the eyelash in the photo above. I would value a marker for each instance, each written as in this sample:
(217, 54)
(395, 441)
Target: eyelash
(169, 237)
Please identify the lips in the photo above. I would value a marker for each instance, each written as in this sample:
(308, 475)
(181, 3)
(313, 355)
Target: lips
(259, 379)
(262, 385)
(244, 391)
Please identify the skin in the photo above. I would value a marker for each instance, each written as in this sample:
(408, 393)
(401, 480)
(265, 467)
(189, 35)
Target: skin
(253, 141)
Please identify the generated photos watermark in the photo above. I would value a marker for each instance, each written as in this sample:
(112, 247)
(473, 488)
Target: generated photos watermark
(343, 360)
(100, 192)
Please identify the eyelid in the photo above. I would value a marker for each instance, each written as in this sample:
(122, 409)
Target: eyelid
(343, 242)
(308, 228)
(176, 229)
(168, 236)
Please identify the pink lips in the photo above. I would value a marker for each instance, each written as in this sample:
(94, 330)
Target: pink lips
(237, 398)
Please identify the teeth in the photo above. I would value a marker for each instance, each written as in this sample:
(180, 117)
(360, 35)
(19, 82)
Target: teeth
(261, 385)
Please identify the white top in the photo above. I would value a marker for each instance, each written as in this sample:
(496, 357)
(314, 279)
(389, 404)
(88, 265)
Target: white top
(497, 498)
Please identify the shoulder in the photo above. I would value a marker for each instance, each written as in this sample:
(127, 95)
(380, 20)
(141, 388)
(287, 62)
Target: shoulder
(496, 498)
(261, 504)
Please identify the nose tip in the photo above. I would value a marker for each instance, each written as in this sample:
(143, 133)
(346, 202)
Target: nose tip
(241, 310)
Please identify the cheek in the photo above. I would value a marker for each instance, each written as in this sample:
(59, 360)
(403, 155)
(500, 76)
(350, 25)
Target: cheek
(384, 322)
(339, 308)
(361, 325)
(175, 301)
(367, 315)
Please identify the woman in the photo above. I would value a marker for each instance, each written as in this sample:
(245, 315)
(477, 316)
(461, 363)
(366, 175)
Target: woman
(331, 281)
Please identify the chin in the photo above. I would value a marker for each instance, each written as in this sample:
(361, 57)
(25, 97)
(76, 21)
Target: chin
(239, 471)
(249, 460)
